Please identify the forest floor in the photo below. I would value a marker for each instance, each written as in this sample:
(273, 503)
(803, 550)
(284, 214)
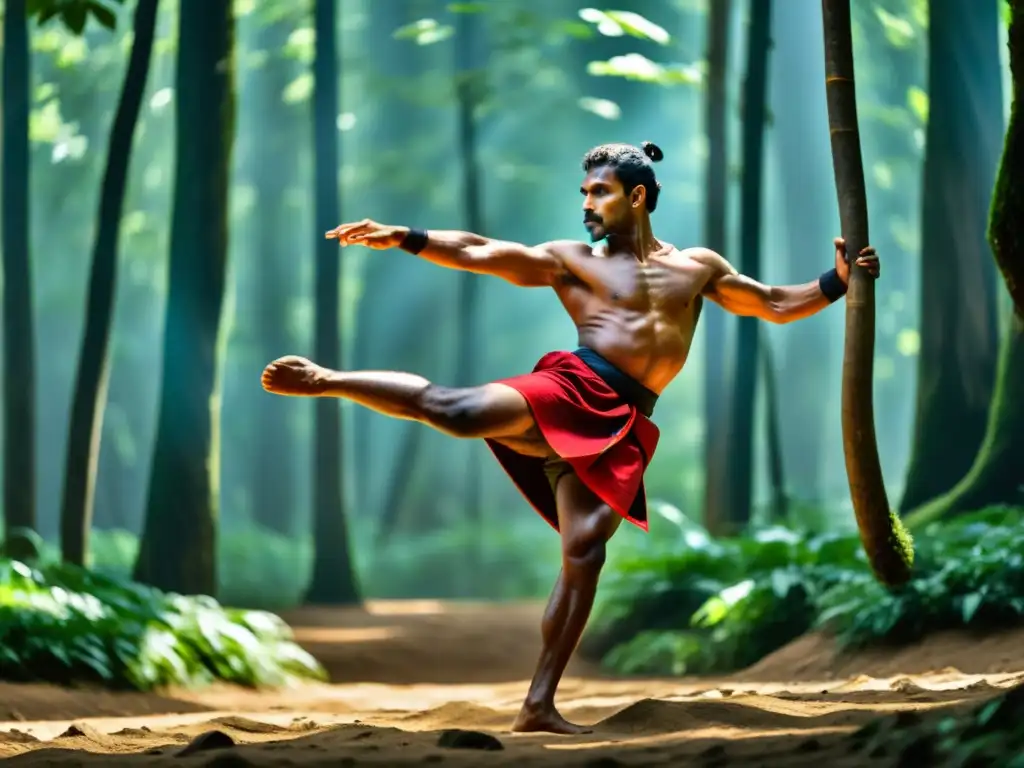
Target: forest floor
(404, 672)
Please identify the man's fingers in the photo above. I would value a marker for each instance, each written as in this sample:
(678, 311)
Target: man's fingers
(870, 263)
(353, 233)
(839, 242)
(869, 251)
(342, 231)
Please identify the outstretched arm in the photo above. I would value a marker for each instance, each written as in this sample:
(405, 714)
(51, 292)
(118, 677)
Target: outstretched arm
(747, 297)
(523, 265)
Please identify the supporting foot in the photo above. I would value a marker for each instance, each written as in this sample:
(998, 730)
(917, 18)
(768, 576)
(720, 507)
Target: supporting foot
(545, 719)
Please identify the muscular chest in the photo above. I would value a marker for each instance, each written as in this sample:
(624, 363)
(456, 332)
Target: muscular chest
(642, 287)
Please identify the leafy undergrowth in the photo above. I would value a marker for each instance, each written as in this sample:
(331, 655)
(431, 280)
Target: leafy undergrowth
(986, 735)
(711, 606)
(64, 624)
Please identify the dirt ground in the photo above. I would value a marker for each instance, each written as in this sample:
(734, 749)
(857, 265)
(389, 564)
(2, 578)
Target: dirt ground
(404, 673)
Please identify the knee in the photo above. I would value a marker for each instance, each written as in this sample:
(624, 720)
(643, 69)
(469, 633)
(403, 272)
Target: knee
(454, 411)
(585, 549)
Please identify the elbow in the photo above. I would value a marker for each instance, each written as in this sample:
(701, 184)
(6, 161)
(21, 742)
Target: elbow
(777, 309)
(776, 313)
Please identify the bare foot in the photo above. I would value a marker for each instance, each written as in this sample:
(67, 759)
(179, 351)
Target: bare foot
(293, 375)
(545, 719)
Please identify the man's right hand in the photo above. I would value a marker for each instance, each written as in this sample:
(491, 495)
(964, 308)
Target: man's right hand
(368, 233)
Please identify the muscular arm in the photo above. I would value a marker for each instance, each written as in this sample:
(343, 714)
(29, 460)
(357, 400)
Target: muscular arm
(528, 266)
(747, 297)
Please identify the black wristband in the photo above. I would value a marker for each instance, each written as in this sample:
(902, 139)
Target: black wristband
(415, 240)
(831, 285)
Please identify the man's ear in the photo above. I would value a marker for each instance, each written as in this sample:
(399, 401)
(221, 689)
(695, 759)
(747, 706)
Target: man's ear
(639, 196)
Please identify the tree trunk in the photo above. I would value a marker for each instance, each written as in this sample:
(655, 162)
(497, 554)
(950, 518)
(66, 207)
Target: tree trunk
(469, 88)
(806, 178)
(779, 503)
(886, 541)
(272, 470)
(177, 551)
(997, 475)
(90, 392)
(744, 385)
(1005, 234)
(716, 187)
(959, 326)
(334, 578)
(19, 356)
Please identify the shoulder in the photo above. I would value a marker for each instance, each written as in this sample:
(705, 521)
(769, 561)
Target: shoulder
(567, 248)
(706, 257)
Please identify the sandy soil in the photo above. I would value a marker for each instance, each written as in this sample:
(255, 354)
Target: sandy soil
(405, 674)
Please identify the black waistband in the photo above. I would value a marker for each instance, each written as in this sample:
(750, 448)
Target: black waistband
(628, 388)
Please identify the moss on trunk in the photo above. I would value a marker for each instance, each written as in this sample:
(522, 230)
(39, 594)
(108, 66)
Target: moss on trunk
(997, 475)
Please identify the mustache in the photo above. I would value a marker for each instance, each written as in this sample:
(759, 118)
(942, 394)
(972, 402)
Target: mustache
(592, 218)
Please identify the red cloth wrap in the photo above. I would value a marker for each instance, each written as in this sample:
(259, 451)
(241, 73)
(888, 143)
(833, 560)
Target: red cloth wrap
(607, 441)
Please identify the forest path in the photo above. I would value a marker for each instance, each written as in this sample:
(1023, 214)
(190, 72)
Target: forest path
(403, 671)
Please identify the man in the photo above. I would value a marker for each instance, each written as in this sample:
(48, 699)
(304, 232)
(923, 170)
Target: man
(575, 435)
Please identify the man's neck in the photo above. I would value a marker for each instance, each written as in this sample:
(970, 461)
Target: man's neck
(640, 243)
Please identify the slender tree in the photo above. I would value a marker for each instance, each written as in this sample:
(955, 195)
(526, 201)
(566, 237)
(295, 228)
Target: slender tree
(716, 187)
(805, 177)
(19, 354)
(744, 383)
(887, 543)
(178, 547)
(469, 90)
(90, 392)
(334, 578)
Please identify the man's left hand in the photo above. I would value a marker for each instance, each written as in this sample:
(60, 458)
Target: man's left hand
(867, 259)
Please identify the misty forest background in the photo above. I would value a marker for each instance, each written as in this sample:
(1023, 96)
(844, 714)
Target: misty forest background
(262, 125)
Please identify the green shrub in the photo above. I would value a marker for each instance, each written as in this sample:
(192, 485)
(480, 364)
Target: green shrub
(970, 574)
(721, 605)
(63, 624)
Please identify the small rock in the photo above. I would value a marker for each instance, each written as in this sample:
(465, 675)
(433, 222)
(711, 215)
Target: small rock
(205, 742)
(459, 739)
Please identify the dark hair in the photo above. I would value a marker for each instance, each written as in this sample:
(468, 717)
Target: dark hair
(632, 165)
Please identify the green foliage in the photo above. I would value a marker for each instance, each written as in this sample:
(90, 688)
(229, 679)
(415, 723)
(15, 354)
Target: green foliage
(988, 734)
(61, 623)
(74, 14)
(721, 605)
(970, 574)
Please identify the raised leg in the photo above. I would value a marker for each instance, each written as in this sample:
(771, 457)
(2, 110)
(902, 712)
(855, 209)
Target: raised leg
(491, 410)
(586, 524)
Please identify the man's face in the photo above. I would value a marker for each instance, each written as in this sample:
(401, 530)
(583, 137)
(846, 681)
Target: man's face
(607, 210)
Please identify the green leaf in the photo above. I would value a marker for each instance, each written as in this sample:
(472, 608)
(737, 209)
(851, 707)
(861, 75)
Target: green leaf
(75, 16)
(424, 32)
(971, 603)
(609, 110)
(103, 15)
(898, 31)
(917, 101)
(619, 23)
(634, 66)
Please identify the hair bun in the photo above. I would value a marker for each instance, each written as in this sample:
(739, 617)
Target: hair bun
(653, 151)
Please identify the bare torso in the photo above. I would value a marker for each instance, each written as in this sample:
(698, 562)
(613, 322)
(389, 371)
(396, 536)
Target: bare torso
(640, 316)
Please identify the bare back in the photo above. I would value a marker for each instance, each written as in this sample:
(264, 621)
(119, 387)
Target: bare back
(641, 316)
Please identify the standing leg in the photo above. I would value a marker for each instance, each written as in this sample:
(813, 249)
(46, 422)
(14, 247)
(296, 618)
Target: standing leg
(491, 410)
(586, 525)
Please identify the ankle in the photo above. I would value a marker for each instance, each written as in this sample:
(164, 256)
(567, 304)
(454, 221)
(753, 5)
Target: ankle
(538, 703)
